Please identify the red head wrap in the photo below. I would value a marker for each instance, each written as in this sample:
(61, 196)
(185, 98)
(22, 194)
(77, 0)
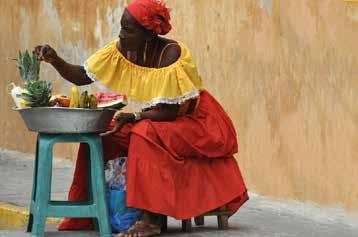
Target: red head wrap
(152, 15)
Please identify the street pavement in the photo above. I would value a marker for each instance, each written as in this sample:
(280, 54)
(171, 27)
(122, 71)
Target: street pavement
(260, 217)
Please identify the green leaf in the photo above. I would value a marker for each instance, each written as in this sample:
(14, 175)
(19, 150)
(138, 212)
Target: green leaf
(29, 66)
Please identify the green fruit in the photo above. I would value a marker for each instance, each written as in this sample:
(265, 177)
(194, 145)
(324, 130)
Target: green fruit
(93, 104)
(84, 100)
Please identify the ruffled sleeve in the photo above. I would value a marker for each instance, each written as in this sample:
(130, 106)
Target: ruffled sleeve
(145, 87)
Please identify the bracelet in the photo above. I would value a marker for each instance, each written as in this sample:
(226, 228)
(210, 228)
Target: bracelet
(137, 117)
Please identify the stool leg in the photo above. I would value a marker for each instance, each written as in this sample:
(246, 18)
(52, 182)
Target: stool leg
(186, 225)
(163, 223)
(99, 187)
(223, 222)
(90, 193)
(199, 220)
(33, 193)
(43, 188)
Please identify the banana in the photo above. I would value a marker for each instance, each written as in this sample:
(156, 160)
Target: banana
(84, 100)
(93, 104)
(75, 97)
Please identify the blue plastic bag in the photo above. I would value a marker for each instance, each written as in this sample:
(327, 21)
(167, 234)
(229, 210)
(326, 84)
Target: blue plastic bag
(121, 217)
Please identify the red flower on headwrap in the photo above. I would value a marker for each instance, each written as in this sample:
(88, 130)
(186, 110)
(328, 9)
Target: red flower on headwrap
(153, 15)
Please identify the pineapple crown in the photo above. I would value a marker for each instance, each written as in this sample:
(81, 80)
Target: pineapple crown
(38, 93)
(29, 66)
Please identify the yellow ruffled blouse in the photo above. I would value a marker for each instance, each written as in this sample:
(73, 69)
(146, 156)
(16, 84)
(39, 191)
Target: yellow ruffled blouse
(145, 87)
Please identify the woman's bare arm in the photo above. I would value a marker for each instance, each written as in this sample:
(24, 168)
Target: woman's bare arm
(72, 73)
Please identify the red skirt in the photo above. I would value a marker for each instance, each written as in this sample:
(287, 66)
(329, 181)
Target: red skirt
(181, 169)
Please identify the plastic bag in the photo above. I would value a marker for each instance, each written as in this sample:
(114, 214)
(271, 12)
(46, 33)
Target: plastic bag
(115, 173)
(121, 217)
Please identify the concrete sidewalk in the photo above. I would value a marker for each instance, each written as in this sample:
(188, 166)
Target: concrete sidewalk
(260, 217)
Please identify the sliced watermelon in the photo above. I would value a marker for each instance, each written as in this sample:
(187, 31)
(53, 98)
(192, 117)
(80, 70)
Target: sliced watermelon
(111, 100)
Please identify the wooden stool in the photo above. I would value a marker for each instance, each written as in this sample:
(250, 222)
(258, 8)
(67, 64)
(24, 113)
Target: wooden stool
(221, 213)
(41, 204)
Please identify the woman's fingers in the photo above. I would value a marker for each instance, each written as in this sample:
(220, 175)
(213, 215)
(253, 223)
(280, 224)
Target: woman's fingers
(110, 132)
(124, 117)
(115, 129)
(38, 49)
(45, 53)
(41, 53)
(117, 115)
(48, 54)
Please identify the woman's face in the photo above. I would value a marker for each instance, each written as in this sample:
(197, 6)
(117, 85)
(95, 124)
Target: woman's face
(132, 34)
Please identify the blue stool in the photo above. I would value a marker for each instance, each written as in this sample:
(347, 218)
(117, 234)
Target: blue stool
(41, 205)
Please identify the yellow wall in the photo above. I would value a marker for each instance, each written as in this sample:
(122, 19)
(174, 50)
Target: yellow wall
(286, 71)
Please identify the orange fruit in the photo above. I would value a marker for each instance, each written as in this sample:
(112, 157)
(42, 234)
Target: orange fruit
(62, 100)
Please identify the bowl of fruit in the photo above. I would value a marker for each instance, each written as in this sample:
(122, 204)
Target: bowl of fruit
(41, 112)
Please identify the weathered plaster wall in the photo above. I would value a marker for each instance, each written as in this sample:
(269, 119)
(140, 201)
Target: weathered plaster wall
(286, 71)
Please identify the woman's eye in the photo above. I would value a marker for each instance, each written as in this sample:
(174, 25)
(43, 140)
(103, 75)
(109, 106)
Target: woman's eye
(127, 30)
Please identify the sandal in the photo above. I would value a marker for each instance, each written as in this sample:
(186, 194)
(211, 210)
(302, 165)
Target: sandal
(141, 229)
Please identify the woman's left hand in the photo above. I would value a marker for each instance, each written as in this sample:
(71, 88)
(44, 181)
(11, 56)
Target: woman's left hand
(121, 120)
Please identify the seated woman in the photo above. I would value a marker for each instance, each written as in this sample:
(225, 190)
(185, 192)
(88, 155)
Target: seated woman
(180, 146)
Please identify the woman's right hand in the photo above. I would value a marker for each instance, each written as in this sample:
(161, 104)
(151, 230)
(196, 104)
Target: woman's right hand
(72, 73)
(121, 120)
(45, 53)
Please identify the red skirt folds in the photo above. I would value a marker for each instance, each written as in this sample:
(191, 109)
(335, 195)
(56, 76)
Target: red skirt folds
(180, 169)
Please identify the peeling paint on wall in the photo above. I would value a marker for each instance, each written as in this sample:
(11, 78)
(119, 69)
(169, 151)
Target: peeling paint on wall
(266, 4)
(353, 13)
(24, 29)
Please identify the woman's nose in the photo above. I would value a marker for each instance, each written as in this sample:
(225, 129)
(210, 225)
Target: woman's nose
(121, 36)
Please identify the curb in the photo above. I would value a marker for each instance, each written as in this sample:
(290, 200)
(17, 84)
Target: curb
(13, 217)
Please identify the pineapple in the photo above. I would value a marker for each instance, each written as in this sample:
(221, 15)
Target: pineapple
(38, 93)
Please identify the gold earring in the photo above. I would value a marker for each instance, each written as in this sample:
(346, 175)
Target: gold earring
(145, 52)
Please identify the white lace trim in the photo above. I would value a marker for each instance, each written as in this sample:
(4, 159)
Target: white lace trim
(153, 102)
(90, 74)
(162, 100)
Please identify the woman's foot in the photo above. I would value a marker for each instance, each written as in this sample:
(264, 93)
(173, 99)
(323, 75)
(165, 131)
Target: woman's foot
(146, 227)
(141, 229)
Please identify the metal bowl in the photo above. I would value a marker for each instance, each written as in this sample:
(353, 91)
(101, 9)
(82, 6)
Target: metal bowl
(66, 120)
